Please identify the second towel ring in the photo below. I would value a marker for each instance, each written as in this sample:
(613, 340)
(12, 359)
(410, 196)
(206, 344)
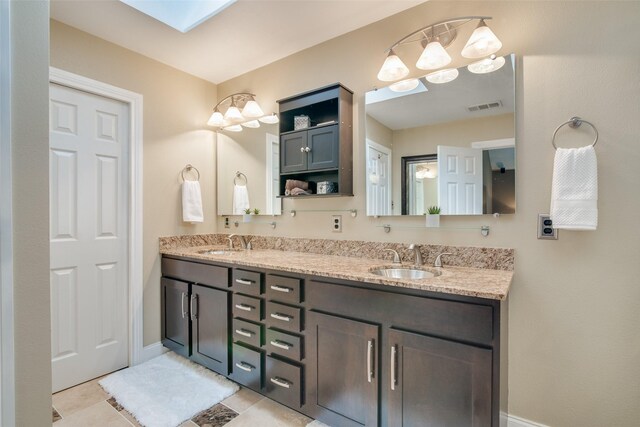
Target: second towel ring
(574, 122)
(188, 168)
(241, 176)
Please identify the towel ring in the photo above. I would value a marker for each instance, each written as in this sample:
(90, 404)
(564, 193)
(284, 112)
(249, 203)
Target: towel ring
(241, 176)
(188, 169)
(574, 122)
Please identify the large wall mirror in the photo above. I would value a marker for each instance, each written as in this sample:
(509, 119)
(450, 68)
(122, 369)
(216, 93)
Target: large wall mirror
(450, 145)
(248, 170)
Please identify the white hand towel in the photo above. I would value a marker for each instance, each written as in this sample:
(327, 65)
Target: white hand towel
(574, 190)
(240, 199)
(191, 202)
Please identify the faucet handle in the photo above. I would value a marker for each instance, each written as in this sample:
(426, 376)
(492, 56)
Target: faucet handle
(438, 262)
(396, 256)
(230, 239)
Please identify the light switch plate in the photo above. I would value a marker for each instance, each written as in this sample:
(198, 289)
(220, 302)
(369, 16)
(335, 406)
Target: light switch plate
(545, 228)
(336, 223)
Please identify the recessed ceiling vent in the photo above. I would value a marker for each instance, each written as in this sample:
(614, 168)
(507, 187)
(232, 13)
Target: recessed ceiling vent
(487, 106)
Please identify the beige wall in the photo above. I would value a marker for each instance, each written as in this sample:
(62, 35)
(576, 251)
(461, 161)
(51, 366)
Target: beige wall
(425, 140)
(378, 133)
(30, 170)
(176, 108)
(574, 344)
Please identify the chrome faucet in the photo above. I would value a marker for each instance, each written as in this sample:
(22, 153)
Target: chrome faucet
(416, 250)
(245, 241)
(396, 256)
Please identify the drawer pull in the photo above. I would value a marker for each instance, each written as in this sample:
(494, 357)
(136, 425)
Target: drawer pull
(244, 307)
(282, 317)
(281, 344)
(281, 382)
(182, 295)
(245, 366)
(394, 380)
(281, 288)
(245, 282)
(244, 333)
(370, 360)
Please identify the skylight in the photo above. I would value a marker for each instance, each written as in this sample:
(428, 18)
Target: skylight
(183, 15)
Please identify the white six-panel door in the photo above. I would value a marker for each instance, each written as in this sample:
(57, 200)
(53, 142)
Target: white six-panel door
(459, 180)
(89, 232)
(378, 179)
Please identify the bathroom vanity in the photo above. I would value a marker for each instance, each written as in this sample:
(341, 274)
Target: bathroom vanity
(322, 335)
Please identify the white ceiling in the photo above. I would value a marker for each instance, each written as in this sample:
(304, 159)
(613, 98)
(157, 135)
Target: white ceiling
(247, 35)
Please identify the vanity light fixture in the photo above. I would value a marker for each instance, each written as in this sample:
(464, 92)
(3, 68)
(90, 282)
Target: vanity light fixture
(487, 65)
(435, 39)
(239, 109)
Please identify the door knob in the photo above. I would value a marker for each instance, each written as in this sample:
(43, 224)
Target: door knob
(307, 149)
(302, 149)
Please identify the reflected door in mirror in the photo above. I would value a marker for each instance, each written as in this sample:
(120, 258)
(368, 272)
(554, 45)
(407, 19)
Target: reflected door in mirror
(378, 179)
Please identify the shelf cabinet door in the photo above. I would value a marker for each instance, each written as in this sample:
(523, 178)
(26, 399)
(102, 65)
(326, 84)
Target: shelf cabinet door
(209, 310)
(175, 316)
(343, 370)
(293, 157)
(324, 149)
(435, 382)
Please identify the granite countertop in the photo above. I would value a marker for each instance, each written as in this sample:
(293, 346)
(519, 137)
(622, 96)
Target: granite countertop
(474, 282)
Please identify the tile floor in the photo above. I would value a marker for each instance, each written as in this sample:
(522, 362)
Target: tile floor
(89, 405)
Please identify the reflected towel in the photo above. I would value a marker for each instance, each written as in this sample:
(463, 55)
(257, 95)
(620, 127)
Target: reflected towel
(574, 190)
(191, 202)
(240, 199)
(290, 184)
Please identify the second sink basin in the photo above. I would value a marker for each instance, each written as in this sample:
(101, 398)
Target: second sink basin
(219, 251)
(403, 273)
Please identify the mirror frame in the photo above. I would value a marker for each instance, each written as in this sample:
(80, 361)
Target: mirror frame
(404, 178)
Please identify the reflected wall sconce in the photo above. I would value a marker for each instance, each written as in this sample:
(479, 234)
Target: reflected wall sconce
(434, 39)
(240, 109)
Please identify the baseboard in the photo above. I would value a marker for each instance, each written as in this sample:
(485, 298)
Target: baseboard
(152, 350)
(513, 421)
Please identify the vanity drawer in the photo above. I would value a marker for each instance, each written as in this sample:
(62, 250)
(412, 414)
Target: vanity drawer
(285, 289)
(283, 382)
(247, 282)
(247, 332)
(248, 308)
(247, 367)
(284, 316)
(195, 272)
(283, 344)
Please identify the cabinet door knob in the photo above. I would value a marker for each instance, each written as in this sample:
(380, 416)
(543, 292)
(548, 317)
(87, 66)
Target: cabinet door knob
(302, 149)
(307, 149)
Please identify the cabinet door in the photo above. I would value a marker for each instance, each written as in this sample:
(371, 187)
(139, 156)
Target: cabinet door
(342, 387)
(210, 328)
(175, 315)
(323, 144)
(293, 157)
(435, 382)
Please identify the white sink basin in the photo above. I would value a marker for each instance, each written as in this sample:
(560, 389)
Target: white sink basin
(403, 273)
(219, 251)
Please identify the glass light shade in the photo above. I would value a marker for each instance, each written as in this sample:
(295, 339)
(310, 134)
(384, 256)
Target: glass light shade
(404, 85)
(426, 173)
(433, 56)
(482, 42)
(233, 128)
(233, 114)
(393, 68)
(486, 65)
(251, 124)
(216, 119)
(252, 110)
(270, 119)
(442, 76)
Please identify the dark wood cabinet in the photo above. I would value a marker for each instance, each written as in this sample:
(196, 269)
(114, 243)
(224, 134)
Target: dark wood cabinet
(175, 316)
(438, 382)
(347, 353)
(324, 150)
(343, 374)
(210, 328)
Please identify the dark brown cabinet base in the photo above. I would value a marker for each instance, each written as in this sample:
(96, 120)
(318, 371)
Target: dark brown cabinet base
(347, 353)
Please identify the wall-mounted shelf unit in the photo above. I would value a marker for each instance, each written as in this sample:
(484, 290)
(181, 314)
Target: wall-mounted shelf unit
(324, 150)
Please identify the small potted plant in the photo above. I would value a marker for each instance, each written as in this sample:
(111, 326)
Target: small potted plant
(246, 217)
(256, 211)
(433, 216)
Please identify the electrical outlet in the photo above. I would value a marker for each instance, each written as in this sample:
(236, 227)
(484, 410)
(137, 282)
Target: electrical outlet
(545, 228)
(336, 223)
(226, 222)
